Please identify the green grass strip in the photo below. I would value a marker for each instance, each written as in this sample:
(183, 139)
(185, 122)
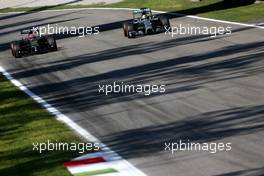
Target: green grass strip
(22, 122)
(97, 172)
(231, 10)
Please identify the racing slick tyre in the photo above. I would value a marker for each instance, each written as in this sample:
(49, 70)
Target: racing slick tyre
(150, 31)
(164, 22)
(125, 28)
(15, 49)
(52, 44)
(130, 31)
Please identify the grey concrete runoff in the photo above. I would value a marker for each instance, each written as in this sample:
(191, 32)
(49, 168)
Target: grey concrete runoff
(41, 3)
(214, 89)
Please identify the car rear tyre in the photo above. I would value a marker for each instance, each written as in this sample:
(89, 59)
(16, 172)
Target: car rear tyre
(15, 49)
(125, 29)
(164, 22)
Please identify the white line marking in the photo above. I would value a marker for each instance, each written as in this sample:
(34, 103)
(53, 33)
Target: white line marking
(176, 14)
(96, 154)
(130, 169)
(214, 20)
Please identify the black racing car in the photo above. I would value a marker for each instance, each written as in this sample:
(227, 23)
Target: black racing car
(33, 43)
(145, 23)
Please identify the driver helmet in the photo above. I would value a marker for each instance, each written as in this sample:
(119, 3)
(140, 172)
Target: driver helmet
(144, 14)
(30, 35)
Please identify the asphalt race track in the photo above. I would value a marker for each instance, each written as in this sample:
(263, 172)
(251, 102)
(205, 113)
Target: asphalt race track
(214, 92)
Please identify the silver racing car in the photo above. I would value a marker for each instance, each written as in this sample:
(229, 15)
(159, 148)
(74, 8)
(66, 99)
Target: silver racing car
(144, 22)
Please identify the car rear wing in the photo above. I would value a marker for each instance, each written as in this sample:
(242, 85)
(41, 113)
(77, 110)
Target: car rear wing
(145, 9)
(142, 11)
(136, 11)
(27, 31)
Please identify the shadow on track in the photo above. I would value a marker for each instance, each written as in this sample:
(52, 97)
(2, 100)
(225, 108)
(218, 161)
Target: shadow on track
(180, 74)
(103, 27)
(248, 172)
(206, 127)
(35, 10)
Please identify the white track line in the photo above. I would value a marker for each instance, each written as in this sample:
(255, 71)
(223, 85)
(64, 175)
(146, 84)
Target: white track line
(176, 14)
(214, 20)
(130, 169)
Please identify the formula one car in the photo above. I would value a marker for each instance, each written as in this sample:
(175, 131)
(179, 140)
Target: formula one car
(145, 23)
(33, 43)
